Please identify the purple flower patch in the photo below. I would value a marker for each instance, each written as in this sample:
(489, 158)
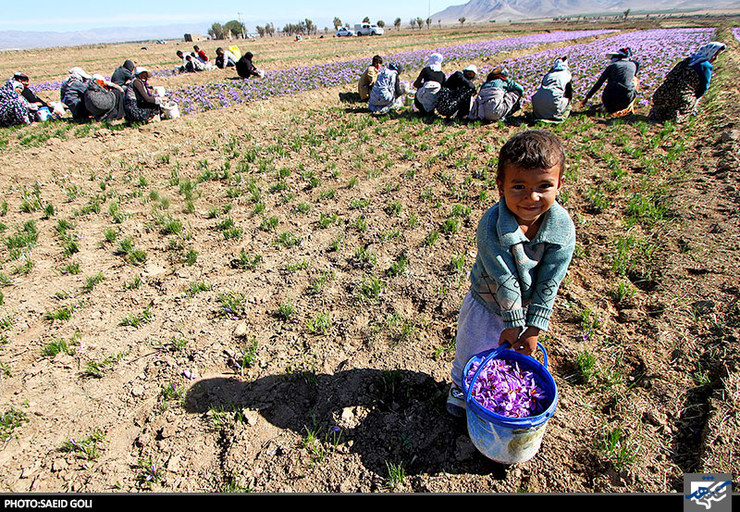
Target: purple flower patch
(505, 389)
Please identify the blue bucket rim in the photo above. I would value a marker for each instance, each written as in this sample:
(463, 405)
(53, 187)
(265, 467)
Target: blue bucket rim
(529, 363)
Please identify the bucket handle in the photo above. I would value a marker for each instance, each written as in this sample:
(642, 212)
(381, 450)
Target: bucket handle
(493, 354)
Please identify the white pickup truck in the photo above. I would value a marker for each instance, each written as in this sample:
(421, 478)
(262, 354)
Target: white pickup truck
(366, 29)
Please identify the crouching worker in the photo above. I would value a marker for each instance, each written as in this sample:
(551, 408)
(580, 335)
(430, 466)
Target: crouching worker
(139, 104)
(72, 93)
(428, 84)
(499, 97)
(620, 91)
(245, 67)
(103, 99)
(13, 106)
(368, 78)
(456, 96)
(552, 101)
(225, 59)
(525, 245)
(387, 93)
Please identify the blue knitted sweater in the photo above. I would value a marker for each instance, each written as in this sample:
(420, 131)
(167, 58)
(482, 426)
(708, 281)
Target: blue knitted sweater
(517, 278)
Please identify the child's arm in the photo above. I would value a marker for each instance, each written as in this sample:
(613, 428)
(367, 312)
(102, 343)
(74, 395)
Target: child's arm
(550, 274)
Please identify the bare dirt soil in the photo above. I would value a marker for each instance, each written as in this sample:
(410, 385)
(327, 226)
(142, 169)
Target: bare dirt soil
(264, 299)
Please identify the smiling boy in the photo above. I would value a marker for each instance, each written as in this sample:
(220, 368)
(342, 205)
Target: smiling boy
(525, 245)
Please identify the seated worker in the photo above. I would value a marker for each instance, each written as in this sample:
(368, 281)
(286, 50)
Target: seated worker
(202, 57)
(430, 81)
(123, 74)
(455, 98)
(13, 106)
(190, 64)
(367, 80)
(200, 54)
(34, 102)
(225, 59)
(499, 97)
(139, 104)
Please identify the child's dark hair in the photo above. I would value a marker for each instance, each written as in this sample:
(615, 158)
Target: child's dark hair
(531, 149)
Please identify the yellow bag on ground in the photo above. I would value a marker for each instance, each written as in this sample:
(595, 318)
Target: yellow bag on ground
(235, 50)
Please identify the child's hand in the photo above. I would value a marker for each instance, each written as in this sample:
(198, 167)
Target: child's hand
(510, 336)
(527, 342)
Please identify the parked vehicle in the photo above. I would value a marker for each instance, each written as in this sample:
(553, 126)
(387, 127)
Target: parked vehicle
(346, 31)
(366, 29)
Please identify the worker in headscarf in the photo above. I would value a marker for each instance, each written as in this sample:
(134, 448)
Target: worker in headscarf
(676, 99)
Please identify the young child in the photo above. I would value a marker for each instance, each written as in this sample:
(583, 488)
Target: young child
(525, 244)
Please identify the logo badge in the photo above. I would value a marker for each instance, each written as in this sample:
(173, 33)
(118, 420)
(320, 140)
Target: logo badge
(703, 492)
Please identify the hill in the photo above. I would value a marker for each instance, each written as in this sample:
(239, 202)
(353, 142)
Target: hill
(485, 10)
(14, 39)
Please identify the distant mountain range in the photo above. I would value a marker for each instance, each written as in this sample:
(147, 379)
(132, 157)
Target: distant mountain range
(504, 10)
(16, 39)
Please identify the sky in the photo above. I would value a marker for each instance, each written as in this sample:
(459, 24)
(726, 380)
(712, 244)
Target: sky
(74, 15)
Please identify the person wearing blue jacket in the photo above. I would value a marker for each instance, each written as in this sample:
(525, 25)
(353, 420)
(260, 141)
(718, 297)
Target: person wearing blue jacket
(525, 244)
(677, 97)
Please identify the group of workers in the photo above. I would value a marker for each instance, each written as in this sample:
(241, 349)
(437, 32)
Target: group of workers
(128, 95)
(198, 60)
(500, 96)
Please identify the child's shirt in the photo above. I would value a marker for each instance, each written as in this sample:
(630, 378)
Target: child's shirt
(517, 278)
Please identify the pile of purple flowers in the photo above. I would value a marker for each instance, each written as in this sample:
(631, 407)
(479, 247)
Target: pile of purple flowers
(736, 32)
(505, 389)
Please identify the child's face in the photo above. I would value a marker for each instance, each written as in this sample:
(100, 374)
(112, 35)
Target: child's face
(529, 193)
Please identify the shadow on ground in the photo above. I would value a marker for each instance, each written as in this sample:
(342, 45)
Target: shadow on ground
(397, 416)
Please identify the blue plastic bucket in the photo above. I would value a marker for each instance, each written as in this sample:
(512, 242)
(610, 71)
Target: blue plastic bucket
(501, 438)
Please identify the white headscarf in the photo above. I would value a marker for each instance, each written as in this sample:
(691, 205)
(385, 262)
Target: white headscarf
(561, 64)
(78, 74)
(435, 62)
(706, 52)
(141, 69)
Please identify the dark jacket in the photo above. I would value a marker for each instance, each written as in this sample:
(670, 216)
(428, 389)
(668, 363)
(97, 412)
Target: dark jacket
(244, 66)
(429, 75)
(32, 98)
(123, 74)
(74, 99)
(620, 86)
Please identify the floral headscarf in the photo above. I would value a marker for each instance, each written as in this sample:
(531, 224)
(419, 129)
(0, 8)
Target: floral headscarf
(13, 107)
